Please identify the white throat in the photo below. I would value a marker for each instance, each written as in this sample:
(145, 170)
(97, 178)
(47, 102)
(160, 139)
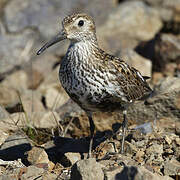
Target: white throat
(80, 51)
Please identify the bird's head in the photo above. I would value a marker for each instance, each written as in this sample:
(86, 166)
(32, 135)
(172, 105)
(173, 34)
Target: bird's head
(76, 28)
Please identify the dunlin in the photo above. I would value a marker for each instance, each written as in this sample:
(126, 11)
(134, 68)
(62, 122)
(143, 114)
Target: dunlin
(94, 79)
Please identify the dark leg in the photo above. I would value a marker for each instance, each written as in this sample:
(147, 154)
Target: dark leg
(124, 127)
(92, 128)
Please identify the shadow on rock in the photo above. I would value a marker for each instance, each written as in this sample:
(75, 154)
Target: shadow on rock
(63, 145)
(128, 173)
(15, 152)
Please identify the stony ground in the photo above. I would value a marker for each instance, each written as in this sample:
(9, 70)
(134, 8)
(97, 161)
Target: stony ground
(44, 135)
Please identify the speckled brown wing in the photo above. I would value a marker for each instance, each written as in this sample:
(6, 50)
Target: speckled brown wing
(131, 81)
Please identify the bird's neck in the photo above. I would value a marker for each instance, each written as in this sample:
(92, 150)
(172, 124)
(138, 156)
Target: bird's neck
(82, 50)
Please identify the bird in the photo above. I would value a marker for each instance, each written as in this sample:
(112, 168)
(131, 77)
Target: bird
(94, 79)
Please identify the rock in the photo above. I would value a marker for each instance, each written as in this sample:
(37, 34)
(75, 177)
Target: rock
(34, 78)
(54, 97)
(17, 172)
(117, 31)
(134, 172)
(8, 96)
(110, 175)
(32, 172)
(72, 157)
(168, 10)
(13, 164)
(50, 176)
(6, 177)
(139, 156)
(39, 156)
(42, 119)
(51, 89)
(14, 147)
(177, 152)
(3, 137)
(170, 69)
(45, 119)
(44, 14)
(140, 143)
(172, 167)
(17, 80)
(168, 139)
(157, 77)
(44, 65)
(87, 170)
(172, 6)
(2, 4)
(31, 102)
(155, 148)
(177, 139)
(167, 50)
(52, 78)
(20, 45)
(3, 113)
(13, 122)
(106, 148)
(144, 128)
(166, 98)
(130, 148)
(29, 14)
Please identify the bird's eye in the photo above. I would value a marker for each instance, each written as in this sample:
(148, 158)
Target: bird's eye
(81, 23)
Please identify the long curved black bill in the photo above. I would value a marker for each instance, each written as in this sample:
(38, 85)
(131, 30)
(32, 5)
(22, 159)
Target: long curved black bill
(59, 37)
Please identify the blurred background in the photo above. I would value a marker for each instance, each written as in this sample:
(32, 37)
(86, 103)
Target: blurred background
(145, 33)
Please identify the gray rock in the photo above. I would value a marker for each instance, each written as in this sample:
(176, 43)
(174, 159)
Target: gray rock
(35, 13)
(39, 119)
(13, 164)
(6, 177)
(172, 168)
(33, 172)
(44, 119)
(17, 80)
(133, 172)
(13, 122)
(145, 128)
(45, 63)
(168, 10)
(155, 148)
(3, 137)
(8, 96)
(16, 49)
(54, 94)
(166, 98)
(3, 113)
(45, 14)
(31, 102)
(128, 24)
(87, 170)
(50, 176)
